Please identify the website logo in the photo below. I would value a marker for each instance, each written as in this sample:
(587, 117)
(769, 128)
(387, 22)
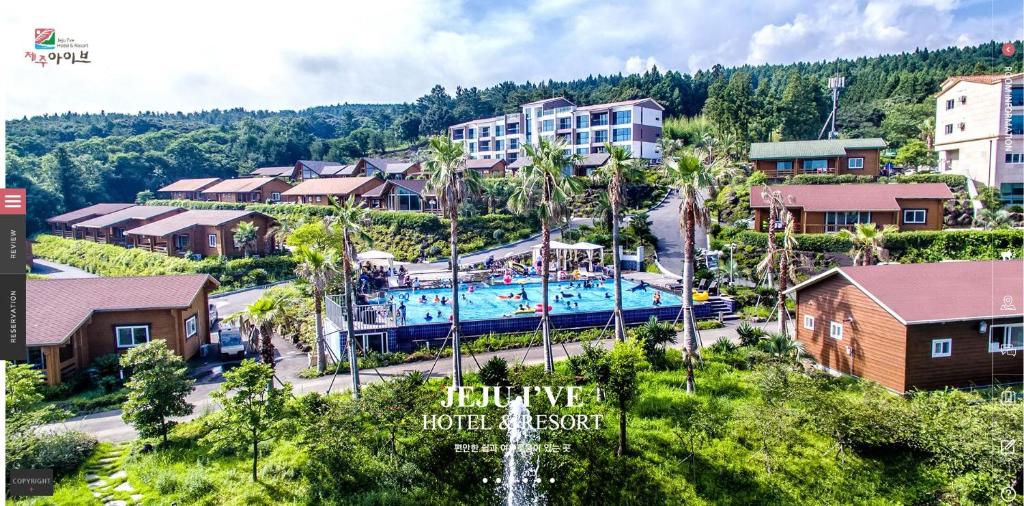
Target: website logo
(46, 38)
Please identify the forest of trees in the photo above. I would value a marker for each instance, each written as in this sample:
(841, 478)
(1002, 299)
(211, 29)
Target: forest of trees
(70, 160)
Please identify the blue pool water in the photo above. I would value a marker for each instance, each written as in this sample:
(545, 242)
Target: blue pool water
(483, 302)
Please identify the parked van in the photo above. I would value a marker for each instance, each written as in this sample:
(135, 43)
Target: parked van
(231, 343)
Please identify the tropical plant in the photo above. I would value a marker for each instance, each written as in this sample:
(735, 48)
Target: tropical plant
(545, 189)
(868, 242)
(317, 266)
(245, 235)
(449, 178)
(157, 388)
(654, 336)
(257, 321)
(619, 170)
(784, 256)
(350, 217)
(251, 408)
(993, 218)
(781, 347)
(692, 178)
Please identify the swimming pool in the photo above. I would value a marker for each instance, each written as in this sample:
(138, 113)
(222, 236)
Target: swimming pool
(487, 302)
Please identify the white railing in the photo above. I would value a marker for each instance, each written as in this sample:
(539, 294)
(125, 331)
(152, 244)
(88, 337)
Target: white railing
(365, 316)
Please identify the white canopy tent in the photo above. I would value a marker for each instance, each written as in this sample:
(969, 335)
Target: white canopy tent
(381, 258)
(563, 251)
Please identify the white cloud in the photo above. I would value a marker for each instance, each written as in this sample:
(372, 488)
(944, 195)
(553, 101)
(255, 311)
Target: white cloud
(201, 54)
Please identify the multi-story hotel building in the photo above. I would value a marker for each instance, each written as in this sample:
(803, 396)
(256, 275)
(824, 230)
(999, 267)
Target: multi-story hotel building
(979, 131)
(635, 124)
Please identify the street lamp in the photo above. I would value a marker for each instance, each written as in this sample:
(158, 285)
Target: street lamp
(732, 261)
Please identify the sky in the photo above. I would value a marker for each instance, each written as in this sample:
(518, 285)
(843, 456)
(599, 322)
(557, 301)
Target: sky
(191, 55)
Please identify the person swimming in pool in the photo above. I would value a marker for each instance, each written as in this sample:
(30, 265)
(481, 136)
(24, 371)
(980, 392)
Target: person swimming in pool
(557, 298)
(423, 299)
(444, 301)
(656, 299)
(428, 317)
(436, 299)
(522, 294)
(575, 305)
(607, 295)
(566, 295)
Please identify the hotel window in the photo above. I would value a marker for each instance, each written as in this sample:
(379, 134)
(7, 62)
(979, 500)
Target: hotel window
(457, 135)
(499, 145)
(948, 129)
(485, 131)
(599, 119)
(275, 196)
(783, 166)
(485, 145)
(1017, 96)
(547, 125)
(487, 157)
(191, 326)
(950, 103)
(855, 163)
(582, 137)
(601, 136)
(513, 144)
(583, 121)
(472, 133)
(835, 330)
(622, 117)
(499, 131)
(942, 348)
(472, 147)
(512, 157)
(1005, 338)
(512, 129)
(211, 240)
(1017, 124)
(564, 123)
(621, 134)
(808, 322)
(814, 165)
(915, 216)
(582, 151)
(1014, 157)
(130, 336)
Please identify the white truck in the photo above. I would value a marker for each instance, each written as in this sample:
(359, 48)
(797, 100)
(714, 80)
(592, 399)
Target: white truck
(231, 343)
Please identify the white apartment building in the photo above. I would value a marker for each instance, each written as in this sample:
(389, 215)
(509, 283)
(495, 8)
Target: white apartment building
(635, 124)
(979, 131)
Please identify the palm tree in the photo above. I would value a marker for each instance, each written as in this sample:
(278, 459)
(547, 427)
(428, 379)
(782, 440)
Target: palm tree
(783, 257)
(350, 218)
(692, 178)
(317, 266)
(993, 218)
(868, 242)
(258, 318)
(545, 188)
(245, 235)
(279, 232)
(618, 171)
(782, 347)
(449, 179)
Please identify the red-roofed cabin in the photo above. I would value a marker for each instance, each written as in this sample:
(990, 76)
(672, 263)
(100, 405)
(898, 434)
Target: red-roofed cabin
(70, 322)
(818, 208)
(62, 225)
(925, 326)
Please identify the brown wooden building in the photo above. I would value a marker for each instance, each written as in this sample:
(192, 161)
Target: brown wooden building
(188, 189)
(63, 225)
(402, 195)
(818, 208)
(70, 322)
(911, 326)
(827, 156)
(247, 189)
(316, 191)
(110, 228)
(207, 233)
(487, 167)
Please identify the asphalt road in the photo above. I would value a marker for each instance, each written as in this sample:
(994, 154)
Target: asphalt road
(108, 426)
(665, 226)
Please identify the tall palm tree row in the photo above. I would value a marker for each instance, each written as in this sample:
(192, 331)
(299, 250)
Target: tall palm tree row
(781, 255)
(449, 179)
(350, 218)
(619, 170)
(545, 188)
(316, 266)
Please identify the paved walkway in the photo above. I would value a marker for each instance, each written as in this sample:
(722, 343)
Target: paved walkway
(108, 426)
(665, 226)
(58, 271)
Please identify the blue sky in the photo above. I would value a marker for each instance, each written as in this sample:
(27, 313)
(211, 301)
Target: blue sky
(191, 55)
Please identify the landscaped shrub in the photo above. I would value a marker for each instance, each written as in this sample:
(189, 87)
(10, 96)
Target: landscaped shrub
(955, 182)
(749, 334)
(829, 179)
(494, 372)
(61, 451)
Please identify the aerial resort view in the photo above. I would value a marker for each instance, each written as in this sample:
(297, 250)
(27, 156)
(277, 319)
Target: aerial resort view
(448, 252)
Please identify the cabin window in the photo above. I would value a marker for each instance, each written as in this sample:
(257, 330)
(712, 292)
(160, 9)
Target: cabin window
(275, 196)
(129, 336)
(211, 240)
(814, 165)
(808, 322)
(1006, 338)
(181, 242)
(835, 330)
(318, 198)
(784, 166)
(36, 358)
(942, 348)
(191, 326)
(917, 216)
(855, 163)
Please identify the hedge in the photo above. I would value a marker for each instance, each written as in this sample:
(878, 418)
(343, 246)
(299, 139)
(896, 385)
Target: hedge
(829, 179)
(955, 182)
(112, 260)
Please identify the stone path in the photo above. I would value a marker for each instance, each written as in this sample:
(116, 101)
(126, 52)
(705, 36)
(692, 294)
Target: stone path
(107, 479)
